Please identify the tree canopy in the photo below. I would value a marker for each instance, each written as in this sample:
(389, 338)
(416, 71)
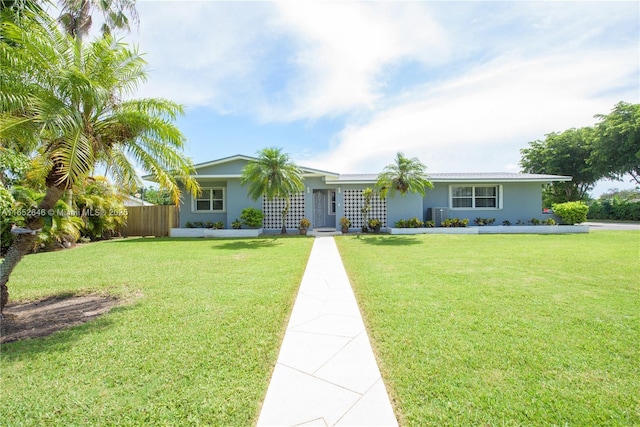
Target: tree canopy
(69, 106)
(275, 176)
(616, 150)
(610, 149)
(403, 175)
(565, 153)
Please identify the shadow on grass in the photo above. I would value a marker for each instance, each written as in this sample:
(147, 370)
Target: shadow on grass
(388, 240)
(61, 340)
(234, 244)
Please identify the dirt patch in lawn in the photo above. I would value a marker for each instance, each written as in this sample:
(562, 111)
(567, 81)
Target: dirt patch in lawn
(44, 317)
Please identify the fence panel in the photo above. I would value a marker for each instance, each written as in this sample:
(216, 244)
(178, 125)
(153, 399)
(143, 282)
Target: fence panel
(150, 220)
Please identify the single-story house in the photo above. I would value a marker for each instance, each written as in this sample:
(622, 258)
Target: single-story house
(328, 196)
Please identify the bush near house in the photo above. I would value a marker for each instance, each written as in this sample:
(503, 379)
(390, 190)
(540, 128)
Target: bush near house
(412, 223)
(484, 221)
(571, 212)
(252, 217)
(455, 222)
(615, 209)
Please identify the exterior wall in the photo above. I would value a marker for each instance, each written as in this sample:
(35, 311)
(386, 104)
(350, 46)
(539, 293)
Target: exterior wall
(233, 167)
(236, 200)
(403, 207)
(520, 201)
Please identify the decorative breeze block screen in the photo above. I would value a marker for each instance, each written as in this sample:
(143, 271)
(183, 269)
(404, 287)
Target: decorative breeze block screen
(273, 212)
(353, 203)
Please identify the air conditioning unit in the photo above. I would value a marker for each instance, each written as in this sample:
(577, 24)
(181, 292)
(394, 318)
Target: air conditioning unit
(438, 215)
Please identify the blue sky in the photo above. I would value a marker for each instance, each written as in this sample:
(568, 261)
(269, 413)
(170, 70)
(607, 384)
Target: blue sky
(343, 86)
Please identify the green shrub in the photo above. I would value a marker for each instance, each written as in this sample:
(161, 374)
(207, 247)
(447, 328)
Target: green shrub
(101, 209)
(429, 224)
(571, 212)
(455, 222)
(409, 223)
(615, 209)
(218, 225)
(252, 217)
(304, 224)
(484, 221)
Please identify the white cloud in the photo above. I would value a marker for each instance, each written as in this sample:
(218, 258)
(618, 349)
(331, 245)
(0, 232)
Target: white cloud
(463, 123)
(496, 74)
(342, 48)
(196, 49)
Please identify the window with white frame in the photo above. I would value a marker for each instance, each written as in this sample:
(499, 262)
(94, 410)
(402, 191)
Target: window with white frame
(476, 196)
(211, 200)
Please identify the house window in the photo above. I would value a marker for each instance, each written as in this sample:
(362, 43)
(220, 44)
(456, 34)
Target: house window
(332, 202)
(211, 200)
(475, 197)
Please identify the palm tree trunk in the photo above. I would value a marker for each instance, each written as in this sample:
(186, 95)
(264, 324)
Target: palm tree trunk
(285, 211)
(23, 243)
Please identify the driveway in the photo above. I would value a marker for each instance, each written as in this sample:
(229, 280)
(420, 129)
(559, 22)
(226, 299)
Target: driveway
(612, 225)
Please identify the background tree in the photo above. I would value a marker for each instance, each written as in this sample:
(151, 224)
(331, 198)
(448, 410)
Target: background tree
(565, 153)
(403, 175)
(67, 101)
(617, 143)
(274, 175)
(154, 195)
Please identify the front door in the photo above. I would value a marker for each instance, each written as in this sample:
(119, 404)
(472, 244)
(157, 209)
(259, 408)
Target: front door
(319, 209)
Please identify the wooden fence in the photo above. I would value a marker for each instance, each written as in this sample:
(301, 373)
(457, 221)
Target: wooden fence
(150, 220)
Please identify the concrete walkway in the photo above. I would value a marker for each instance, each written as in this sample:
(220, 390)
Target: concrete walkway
(326, 374)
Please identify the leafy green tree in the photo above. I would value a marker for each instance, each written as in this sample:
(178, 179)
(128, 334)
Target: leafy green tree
(404, 175)
(565, 153)
(76, 18)
(154, 195)
(71, 105)
(13, 166)
(617, 143)
(275, 176)
(625, 194)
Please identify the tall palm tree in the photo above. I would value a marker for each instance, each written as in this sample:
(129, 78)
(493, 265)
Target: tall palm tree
(273, 175)
(404, 175)
(75, 15)
(70, 105)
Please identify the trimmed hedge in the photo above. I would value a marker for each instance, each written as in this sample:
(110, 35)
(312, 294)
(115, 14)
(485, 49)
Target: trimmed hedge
(614, 209)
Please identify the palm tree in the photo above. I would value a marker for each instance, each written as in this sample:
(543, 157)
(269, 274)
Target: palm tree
(75, 15)
(404, 175)
(70, 106)
(273, 175)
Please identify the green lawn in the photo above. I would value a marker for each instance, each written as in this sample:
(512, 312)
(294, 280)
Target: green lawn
(504, 330)
(195, 346)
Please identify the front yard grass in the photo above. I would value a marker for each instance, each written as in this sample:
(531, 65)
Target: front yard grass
(195, 346)
(503, 330)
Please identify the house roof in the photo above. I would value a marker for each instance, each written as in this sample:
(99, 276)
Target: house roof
(336, 178)
(461, 177)
(305, 170)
